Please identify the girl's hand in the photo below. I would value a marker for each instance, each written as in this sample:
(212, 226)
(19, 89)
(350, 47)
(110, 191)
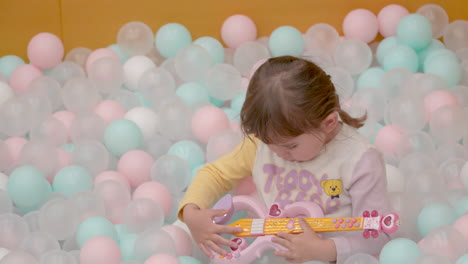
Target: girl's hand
(206, 233)
(305, 246)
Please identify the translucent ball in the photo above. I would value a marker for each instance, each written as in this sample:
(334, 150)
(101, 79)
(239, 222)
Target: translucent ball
(449, 170)
(40, 154)
(126, 98)
(171, 171)
(286, 40)
(320, 58)
(87, 126)
(447, 123)
(142, 214)
(98, 54)
(51, 131)
(189, 151)
(153, 241)
(371, 100)
(353, 55)
(456, 35)
(323, 37)
(400, 250)
(389, 17)
(6, 93)
(78, 55)
(221, 144)
(122, 136)
(58, 217)
(16, 117)
(461, 93)
(91, 155)
(134, 69)
(80, 95)
(423, 183)
(48, 88)
(175, 118)
(193, 92)
(213, 47)
(45, 50)
(223, 81)
(93, 227)
(238, 29)
(57, 257)
(401, 56)
(415, 31)
(433, 216)
(407, 113)
(28, 188)
(361, 24)
(445, 152)
(192, 63)
(66, 71)
(419, 85)
(247, 54)
(361, 258)
(146, 119)
(116, 197)
(6, 205)
(437, 16)
(169, 65)
(156, 192)
(416, 141)
(157, 84)
(445, 241)
(170, 38)
(157, 146)
(395, 179)
(38, 243)
(343, 82)
(444, 64)
(19, 257)
(3, 252)
(13, 230)
(88, 204)
(9, 63)
(432, 259)
(107, 74)
(436, 100)
(135, 38)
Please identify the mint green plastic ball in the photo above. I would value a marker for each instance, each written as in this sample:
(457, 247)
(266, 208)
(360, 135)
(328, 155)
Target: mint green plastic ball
(170, 38)
(9, 63)
(189, 151)
(115, 48)
(69, 147)
(143, 100)
(444, 63)
(233, 115)
(188, 260)
(422, 54)
(415, 31)
(121, 136)
(401, 251)
(28, 188)
(216, 102)
(401, 56)
(433, 216)
(193, 92)
(370, 78)
(214, 48)
(93, 227)
(127, 245)
(72, 179)
(462, 260)
(286, 40)
(461, 207)
(238, 101)
(384, 46)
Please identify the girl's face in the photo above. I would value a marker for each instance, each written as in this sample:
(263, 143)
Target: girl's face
(301, 148)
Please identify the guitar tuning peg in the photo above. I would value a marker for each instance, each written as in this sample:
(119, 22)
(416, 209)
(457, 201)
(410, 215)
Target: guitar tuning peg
(374, 213)
(374, 233)
(366, 214)
(366, 234)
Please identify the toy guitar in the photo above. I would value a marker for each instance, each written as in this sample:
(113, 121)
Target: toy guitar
(275, 220)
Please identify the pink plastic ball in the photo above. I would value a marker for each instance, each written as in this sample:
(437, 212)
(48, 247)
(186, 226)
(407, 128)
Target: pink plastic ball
(112, 175)
(23, 76)
(100, 53)
(245, 186)
(162, 258)
(238, 29)
(110, 110)
(15, 145)
(461, 225)
(157, 192)
(387, 140)
(361, 24)
(182, 240)
(100, 250)
(45, 50)
(389, 17)
(136, 166)
(208, 121)
(67, 118)
(436, 99)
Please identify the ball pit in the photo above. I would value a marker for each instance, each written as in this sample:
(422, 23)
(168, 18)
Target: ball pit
(98, 146)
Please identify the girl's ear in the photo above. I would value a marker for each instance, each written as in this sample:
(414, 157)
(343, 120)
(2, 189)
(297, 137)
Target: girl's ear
(330, 122)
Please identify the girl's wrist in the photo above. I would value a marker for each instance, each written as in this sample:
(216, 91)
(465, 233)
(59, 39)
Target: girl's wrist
(328, 249)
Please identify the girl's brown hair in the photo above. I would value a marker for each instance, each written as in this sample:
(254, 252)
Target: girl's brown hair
(289, 96)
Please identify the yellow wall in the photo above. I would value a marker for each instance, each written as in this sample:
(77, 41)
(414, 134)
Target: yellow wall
(95, 23)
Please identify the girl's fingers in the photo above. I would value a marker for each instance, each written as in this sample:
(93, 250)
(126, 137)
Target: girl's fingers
(213, 246)
(205, 250)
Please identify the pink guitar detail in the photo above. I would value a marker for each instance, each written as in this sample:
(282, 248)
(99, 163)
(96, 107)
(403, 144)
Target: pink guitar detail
(271, 222)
